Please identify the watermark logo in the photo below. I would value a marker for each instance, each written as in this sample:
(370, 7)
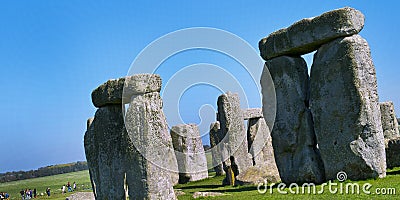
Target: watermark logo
(332, 187)
(150, 59)
(341, 176)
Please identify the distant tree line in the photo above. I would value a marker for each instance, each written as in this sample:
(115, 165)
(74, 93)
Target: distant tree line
(43, 171)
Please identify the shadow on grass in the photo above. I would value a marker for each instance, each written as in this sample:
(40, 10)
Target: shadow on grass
(236, 189)
(393, 172)
(223, 189)
(200, 187)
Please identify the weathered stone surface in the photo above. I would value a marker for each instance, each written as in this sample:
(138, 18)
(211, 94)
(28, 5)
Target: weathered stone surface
(179, 192)
(345, 108)
(215, 138)
(111, 92)
(207, 194)
(308, 35)
(258, 174)
(132, 164)
(108, 93)
(189, 151)
(390, 125)
(82, 196)
(293, 138)
(232, 125)
(393, 153)
(148, 176)
(260, 147)
(91, 152)
(252, 113)
(105, 142)
(141, 84)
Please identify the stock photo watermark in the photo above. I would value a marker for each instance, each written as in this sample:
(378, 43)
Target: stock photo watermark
(205, 73)
(329, 187)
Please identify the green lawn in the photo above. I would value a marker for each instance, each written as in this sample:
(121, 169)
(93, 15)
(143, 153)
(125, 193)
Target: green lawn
(53, 182)
(210, 185)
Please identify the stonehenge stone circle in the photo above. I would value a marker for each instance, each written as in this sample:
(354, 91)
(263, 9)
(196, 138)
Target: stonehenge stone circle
(189, 151)
(308, 35)
(390, 125)
(345, 107)
(232, 126)
(293, 138)
(215, 138)
(344, 127)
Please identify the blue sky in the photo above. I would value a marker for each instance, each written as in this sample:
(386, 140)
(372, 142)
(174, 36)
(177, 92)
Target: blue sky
(54, 53)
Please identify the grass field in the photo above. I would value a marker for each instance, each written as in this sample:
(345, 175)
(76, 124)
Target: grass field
(53, 182)
(214, 185)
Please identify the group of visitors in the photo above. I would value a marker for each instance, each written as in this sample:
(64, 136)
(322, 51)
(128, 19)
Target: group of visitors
(28, 194)
(4, 195)
(69, 187)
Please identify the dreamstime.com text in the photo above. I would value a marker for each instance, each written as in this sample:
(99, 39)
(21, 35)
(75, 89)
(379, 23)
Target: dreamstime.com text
(331, 187)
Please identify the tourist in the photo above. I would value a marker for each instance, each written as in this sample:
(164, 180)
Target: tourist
(22, 194)
(27, 194)
(7, 196)
(48, 191)
(74, 186)
(34, 193)
(69, 187)
(63, 189)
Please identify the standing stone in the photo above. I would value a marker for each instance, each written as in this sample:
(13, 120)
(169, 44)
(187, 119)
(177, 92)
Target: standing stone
(308, 35)
(393, 153)
(232, 125)
(260, 143)
(105, 152)
(189, 151)
(390, 125)
(148, 130)
(260, 147)
(293, 138)
(119, 166)
(215, 134)
(345, 108)
(91, 152)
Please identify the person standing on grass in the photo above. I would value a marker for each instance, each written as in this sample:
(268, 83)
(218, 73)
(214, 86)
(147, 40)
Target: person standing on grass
(69, 187)
(27, 194)
(74, 186)
(48, 192)
(63, 189)
(22, 194)
(34, 193)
